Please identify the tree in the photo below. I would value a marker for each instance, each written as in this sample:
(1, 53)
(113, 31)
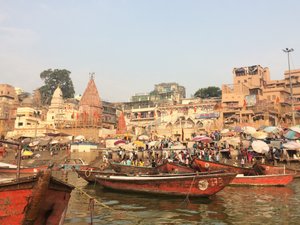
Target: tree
(53, 79)
(208, 92)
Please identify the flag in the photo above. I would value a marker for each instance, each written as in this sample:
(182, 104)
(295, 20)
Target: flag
(277, 100)
(245, 103)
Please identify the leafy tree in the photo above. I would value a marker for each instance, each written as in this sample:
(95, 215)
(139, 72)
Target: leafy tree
(208, 92)
(53, 78)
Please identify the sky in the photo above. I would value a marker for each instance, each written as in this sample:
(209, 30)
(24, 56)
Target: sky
(131, 45)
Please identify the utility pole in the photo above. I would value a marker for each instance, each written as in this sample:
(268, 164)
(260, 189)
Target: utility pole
(288, 50)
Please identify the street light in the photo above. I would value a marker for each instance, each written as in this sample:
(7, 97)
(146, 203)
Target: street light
(36, 114)
(288, 50)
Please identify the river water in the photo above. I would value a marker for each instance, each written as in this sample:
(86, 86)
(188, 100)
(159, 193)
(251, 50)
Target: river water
(233, 205)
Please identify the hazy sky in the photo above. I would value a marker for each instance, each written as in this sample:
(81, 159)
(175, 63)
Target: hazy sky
(131, 45)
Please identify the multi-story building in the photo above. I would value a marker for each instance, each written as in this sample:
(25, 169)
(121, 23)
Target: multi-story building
(109, 116)
(255, 99)
(8, 108)
(166, 111)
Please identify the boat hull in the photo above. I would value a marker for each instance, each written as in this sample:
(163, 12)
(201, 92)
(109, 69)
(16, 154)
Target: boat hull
(89, 174)
(269, 169)
(262, 180)
(204, 165)
(197, 186)
(30, 171)
(34, 200)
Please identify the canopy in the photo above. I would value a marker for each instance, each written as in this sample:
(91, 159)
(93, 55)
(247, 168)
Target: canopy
(260, 146)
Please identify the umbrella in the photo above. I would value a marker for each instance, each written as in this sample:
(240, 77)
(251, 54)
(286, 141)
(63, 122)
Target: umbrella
(34, 143)
(295, 128)
(262, 127)
(79, 137)
(27, 153)
(224, 131)
(292, 145)
(143, 137)
(237, 129)
(259, 135)
(234, 141)
(119, 142)
(260, 146)
(248, 130)
(54, 142)
(139, 144)
(153, 143)
(202, 139)
(271, 129)
(291, 135)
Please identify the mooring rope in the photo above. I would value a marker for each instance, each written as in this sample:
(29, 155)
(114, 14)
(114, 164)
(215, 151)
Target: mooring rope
(187, 200)
(95, 200)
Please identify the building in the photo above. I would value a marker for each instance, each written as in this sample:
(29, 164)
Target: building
(8, 108)
(90, 107)
(166, 112)
(255, 99)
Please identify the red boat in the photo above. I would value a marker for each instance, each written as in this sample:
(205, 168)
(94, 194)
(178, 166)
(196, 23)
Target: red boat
(204, 165)
(171, 167)
(269, 169)
(26, 171)
(121, 168)
(34, 200)
(262, 180)
(177, 185)
(89, 173)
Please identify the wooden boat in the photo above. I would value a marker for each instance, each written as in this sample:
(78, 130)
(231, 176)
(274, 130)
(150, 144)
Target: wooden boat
(204, 165)
(171, 167)
(89, 173)
(176, 185)
(121, 168)
(262, 180)
(34, 200)
(270, 169)
(25, 171)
